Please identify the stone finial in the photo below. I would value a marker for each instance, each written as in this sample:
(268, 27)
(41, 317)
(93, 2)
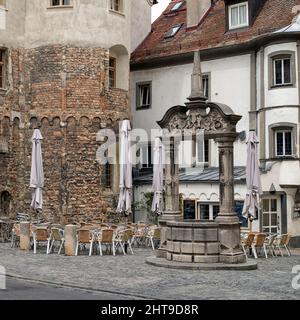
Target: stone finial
(197, 86)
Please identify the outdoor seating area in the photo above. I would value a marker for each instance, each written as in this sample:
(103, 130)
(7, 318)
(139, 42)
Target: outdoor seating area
(257, 244)
(92, 238)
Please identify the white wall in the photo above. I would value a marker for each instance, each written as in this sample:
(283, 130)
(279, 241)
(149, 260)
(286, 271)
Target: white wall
(13, 23)
(88, 22)
(280, 96)
(277, 115)
(140, 22)
(230, 84)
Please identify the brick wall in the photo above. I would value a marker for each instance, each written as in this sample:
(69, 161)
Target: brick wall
(63, 91)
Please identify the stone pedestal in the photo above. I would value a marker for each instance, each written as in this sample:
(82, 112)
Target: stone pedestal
(25, 235)
(193, 241)
(70, 240)
(229, 237)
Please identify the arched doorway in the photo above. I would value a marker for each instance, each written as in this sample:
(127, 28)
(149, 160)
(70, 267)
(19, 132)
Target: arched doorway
(5, 201)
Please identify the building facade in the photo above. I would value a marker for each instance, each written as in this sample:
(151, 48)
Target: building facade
(250, 53)
(65, 70)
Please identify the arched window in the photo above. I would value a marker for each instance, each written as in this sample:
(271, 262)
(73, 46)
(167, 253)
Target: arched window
(5, 199)
(118, 67)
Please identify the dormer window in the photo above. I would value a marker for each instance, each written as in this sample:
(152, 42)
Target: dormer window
(238, 15)
(172, 32)
(177, 6)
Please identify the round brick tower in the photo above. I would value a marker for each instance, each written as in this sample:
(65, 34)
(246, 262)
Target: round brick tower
(65, 69)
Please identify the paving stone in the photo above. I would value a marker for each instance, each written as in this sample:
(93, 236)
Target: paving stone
(131, 275)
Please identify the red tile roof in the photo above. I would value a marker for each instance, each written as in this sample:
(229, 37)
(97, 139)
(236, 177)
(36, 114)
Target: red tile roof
(211, 33)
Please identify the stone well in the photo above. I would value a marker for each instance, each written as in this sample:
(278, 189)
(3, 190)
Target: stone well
(193, 241)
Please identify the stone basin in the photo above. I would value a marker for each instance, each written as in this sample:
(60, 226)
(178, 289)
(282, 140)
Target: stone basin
(193, 241)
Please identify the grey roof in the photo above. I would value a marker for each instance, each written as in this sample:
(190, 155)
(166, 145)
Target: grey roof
(293, 27)
(195, 175)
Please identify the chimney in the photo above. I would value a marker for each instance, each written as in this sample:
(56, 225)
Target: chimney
(196, 9)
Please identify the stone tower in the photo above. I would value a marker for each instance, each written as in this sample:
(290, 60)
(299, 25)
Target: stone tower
(64, 68)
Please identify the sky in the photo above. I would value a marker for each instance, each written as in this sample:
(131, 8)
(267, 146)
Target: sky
(159, 8)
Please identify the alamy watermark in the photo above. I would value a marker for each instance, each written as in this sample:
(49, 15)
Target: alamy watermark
(2, 278)
(296, 278)
(189, 146)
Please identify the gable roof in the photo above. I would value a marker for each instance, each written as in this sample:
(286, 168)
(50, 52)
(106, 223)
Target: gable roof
(211, 32)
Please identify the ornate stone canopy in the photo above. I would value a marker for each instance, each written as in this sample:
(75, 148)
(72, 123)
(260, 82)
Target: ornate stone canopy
(215, 119)
(218, 122)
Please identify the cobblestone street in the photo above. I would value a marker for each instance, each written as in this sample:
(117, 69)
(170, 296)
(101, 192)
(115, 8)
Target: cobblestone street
(130, 276)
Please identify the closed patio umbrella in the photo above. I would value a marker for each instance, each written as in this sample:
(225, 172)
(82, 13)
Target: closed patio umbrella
(37, 173)
(157, 185)
(254, 190)
(124, 204)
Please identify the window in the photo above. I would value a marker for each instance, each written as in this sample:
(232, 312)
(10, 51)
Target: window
(172, 32)
(146, 156)
(202, 151)
(238, 15)
(112, 72)
(2, 69)
(177, 6)
(143, 95)
(283, 143)
(56, 3)
(116, 5)
(208, 211)
(282, 140)
(106, 177)
(3, 3)
(282, 69)
(270, 216)
(206, 85)
(189, 209)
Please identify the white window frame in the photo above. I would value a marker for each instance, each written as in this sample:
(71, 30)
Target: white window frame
(203, 152)
(145, 157)
(61, 5)
(269, 213)
(211, 209)
(240, 25)
(282, 71)
(284, 152)
(112, 8)
(177, 6)
(140, 106)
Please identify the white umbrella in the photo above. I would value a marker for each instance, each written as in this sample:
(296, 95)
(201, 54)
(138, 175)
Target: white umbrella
(37, 173)
(158, 178)
(254, 190)
(124, 205)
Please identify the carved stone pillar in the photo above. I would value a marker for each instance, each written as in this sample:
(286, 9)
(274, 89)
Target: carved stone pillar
(229, 231)
(171, 212)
